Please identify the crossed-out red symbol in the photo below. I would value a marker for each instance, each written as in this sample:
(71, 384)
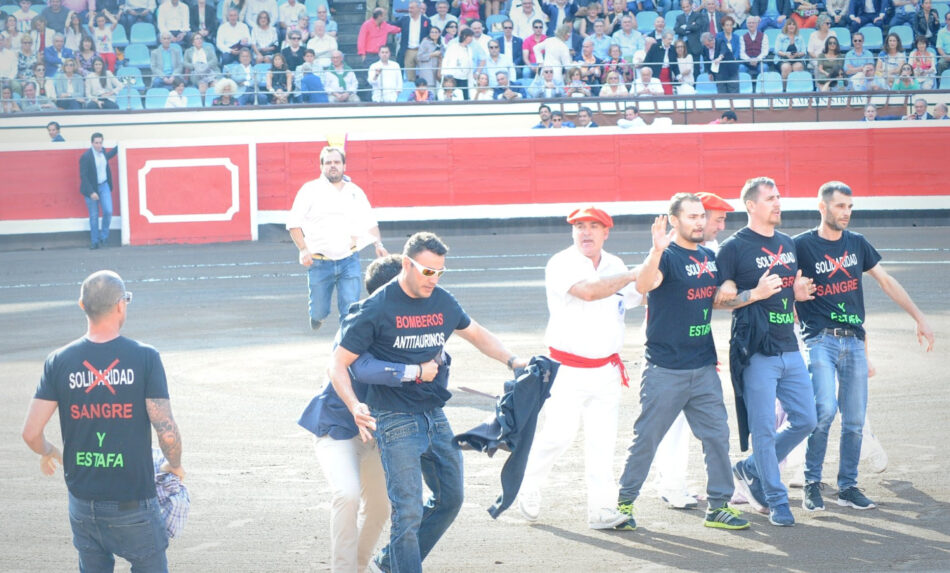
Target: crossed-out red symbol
(703, 267)
(776, 257)
(838, 266)
(100, 376)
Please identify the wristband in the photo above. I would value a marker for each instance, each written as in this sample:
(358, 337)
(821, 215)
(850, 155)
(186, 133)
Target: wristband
(510, 362)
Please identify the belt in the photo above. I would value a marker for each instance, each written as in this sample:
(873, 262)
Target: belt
(322, 257)
(841, 332)
(575, 361)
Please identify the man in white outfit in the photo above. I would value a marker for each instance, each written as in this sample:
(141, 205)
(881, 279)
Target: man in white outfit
(588, 290)
(672, 455)
(386, 78)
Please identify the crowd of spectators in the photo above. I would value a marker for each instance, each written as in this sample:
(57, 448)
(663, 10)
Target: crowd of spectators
(73, 54)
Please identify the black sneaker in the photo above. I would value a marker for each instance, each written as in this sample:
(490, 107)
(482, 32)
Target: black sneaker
(812, 500)
(852, 497)
(315, 324)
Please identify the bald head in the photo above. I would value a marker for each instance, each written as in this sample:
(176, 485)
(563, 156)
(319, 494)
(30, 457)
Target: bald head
(100, 292)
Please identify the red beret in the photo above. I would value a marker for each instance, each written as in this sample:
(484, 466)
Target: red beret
(713, 202)
(590, 214)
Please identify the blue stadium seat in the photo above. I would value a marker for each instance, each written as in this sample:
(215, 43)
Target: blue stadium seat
(905, 33)
(770, 83)
(799, 82)
(260, 73)
(155, 98)
(495, 20)
(143, 33)
(942, 8)
(131, 76)
(772, 34)
(400, 8)
(193, 96)
(745, 83)
(137, 55)
(210, 94)
(670, 18)
(128, 98)
(645, 20)
(406, 93)
(805, 34)
(873, 38)
(705, 85)
(945, 80)
(119, 38)
(844, 38)
(221, 15)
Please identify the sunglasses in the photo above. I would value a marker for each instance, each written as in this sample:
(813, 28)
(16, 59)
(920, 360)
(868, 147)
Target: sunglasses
(538, 27)
(426, 271)
(507, 28)
(127, 297)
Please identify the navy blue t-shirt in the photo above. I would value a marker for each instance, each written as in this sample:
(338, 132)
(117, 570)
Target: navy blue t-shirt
(679, 335)
(101, 390)
(836, 267)
(744, 257)
(395, 327)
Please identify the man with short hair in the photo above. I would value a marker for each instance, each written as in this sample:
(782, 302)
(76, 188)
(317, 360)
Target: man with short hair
(233, 36)
(137, 11)
(585, 118)
(95, 185)
(373, 34)
(689, 27)
(544, 115)
(54, 135)
(330, 222)
(415, 27)
(322, 44)
(628, 37)
(54, 55)
(307, 80)
(511, 45)
(940, 111)
(754, 48)
(680, 278)
(503, 88)
(497, 62)
(920, 110)
(442, 16)
(833, 329)
(558, 121)
(631, 118)
(385, 77)
(109, 389)
(56, 16)
(588, 290)
(166, 63)
(857, 57)
(646, 84)
(340, 81)
(764, 359)
(408, 321)
(600, 40)
(173, 18)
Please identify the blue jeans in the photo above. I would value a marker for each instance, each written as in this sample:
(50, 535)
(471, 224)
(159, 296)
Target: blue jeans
(765, 379)
(322, 276)
(414, 446)
(100, 233)
(829, 356)
(101, 529)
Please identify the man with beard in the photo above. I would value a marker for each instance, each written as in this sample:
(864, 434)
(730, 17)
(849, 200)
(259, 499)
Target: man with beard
(833, 329)
(679, 373)
(329, 222)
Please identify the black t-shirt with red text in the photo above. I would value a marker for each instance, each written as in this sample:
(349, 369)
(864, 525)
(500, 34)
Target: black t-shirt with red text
(395, 327)
(100, 389)
(837, 268)
(745, 257)
(679, 336)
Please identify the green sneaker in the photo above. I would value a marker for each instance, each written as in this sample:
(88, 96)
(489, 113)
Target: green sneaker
(725, 517)
(626, 508)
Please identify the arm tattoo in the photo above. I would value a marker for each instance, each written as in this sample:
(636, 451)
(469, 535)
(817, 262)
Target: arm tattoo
(741, 298)
(160, 414)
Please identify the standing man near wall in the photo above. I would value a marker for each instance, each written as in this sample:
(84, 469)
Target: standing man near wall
(108, 388)
(588, 290)
(833, 328)
(95, 184)
(330, 221)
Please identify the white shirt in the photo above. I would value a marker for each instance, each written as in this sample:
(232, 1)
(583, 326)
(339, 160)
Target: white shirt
(388, 85)
(413, 40)
(333, 221)
(175, 100)
(653, 87)
(290, 14)
(229, 35)
(592, 329)
(101, 166)
(322, 47)
(173, 18)
(457, 62)
(556, 56)
(8, 64)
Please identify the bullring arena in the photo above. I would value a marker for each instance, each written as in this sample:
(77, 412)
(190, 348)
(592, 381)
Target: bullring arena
(228, 314)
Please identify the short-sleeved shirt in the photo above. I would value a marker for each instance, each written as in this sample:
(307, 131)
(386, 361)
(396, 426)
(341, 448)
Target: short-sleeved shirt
(679, 311)
(331, 218)
(837, 268)
(744, 257)
(395, 327)
(100, 389)
(592, 329)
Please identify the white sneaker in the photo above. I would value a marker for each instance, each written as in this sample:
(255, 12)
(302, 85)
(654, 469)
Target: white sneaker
(679, 500)
(606, 518)
(529, 504)
(873, 452)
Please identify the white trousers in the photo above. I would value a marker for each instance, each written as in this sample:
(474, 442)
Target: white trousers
(359, 506)
(591, 395)
(672, 458)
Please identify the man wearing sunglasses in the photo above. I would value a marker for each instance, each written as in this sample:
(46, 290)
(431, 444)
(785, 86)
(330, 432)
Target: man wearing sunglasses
(408, 321)
(588, 290)
(110, 391)
(330, 222)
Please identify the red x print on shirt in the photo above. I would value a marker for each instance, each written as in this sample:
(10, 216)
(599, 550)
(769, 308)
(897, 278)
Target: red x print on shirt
(838, 266)
(776, 257)
(100, 376)
(703, 267)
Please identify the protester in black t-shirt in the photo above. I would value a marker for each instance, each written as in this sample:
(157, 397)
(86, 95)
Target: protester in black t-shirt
(108, 389)
(774, 367)
(833, 328)
(679, 373)
(408, 321)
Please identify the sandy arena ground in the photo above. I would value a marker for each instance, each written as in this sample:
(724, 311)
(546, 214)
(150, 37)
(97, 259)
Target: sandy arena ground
(230, 321)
